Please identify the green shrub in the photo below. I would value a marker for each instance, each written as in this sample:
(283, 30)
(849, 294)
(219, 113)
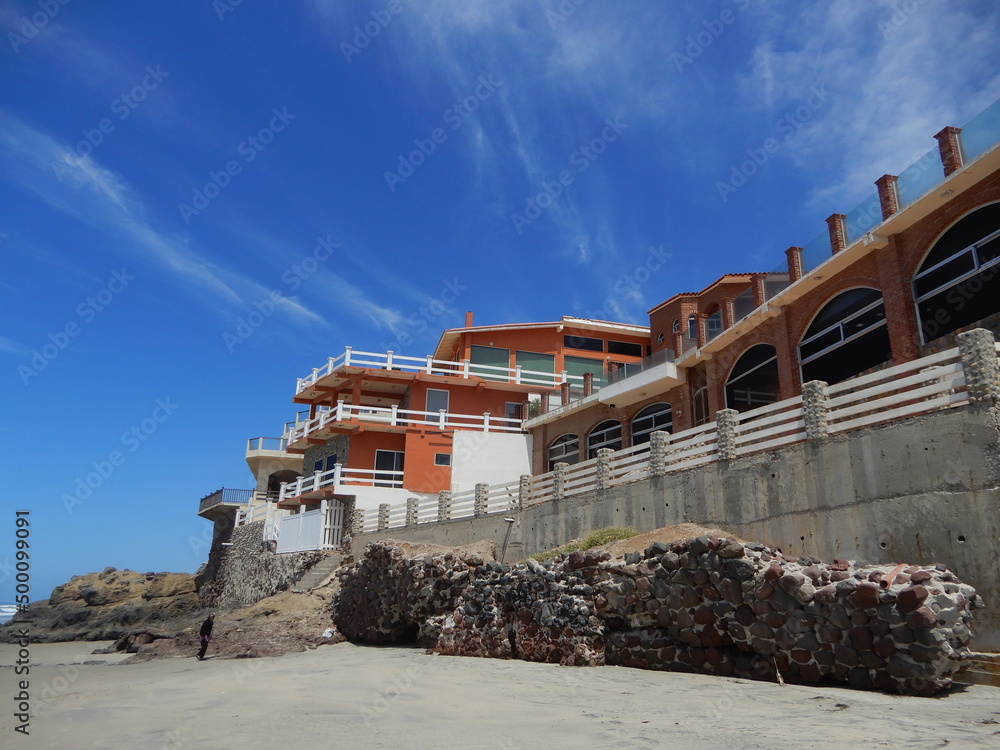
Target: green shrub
(594, 539)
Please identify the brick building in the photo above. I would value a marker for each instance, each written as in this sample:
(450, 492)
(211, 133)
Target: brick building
(888, 282)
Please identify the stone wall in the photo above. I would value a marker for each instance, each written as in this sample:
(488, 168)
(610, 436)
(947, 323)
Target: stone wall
(707, 604)
(338, 445)
(250, 571)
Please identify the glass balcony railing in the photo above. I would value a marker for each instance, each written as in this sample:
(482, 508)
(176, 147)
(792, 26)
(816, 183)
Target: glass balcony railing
(981, 132)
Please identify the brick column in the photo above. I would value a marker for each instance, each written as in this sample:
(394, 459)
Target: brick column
(982, 371)
(793, 257)
(888, 194)
(728, 424)
(588, 383)
(837, 225)
(383, 516)
(559, 481)
(814, 410)
(613, 372)
(563, 393)
(411, 511)
(950, 146)
(444, 505)
(604, 469)
(479, 506)
(524, 492)
(702, 329)
(678, 344)
(759, 291)
(659, 444)
(728, 313)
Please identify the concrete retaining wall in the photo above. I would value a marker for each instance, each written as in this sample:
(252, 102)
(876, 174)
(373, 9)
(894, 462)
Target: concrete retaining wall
(921, 491)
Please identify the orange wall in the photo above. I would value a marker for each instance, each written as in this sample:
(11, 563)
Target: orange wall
(419, 472)
(361, 454)
(466, 399)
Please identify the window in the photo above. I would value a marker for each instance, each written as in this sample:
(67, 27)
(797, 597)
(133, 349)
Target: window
(388, 468)
(583, 342)
(437, 400)
(701, 406)
(848, 336)
(325, 464)
(958, 283)
(651, 419)
(659, 337)
(442, 459)
(564, 449)
(513, 410)
(625, 348)
(607, 434)
(753, 381)
(714, 325)
(676, 327)
(533, 362)
(577, 366)
(487, 358)
(693, 327)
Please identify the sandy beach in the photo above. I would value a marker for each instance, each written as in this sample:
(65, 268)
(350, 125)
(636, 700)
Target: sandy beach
(365, 697)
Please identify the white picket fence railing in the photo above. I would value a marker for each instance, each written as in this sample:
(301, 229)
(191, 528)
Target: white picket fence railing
(337, 476)
(919, 387)
(396, 417)
(430, 366)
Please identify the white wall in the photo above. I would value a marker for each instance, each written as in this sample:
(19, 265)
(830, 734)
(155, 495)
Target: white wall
(490, 457)
(369, 498)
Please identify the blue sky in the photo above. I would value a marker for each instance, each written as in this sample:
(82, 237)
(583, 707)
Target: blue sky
(203, 200)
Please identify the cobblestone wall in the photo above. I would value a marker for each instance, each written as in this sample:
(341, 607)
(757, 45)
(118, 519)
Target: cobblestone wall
(249, 571)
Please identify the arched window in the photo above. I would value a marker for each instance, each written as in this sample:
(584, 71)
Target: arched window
(701, 406)
(753, 381)
(654, 417)
(847, 337)
(958, 283)
(565, 449)
(713, 324)
(607, 434)
(676, 327)
(693, 327)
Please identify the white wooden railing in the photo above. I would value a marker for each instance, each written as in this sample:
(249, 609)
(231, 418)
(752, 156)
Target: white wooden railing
(337, 476)
(430, 366)
(396, 417)
(919, 387)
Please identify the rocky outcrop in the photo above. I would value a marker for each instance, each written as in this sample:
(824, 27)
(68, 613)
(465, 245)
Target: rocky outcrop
(106, 605)
(706, 604)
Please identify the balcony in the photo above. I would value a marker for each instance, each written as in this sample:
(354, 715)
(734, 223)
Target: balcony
(306, 388)
(334, 481)
(344, 416)
(222, 501)
(654, 375)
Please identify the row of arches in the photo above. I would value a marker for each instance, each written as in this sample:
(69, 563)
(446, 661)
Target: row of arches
(608, 434)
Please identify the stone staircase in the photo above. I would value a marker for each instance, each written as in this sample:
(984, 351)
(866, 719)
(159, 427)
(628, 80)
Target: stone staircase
(982, 669)
(317, 574)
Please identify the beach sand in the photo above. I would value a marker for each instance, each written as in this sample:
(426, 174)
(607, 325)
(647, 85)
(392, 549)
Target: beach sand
(364, 697)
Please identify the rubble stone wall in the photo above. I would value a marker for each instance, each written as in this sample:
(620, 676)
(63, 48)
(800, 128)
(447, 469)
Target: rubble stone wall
(249, 570)
(709, 605)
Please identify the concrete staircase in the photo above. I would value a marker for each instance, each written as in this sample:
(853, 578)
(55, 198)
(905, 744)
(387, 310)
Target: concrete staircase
(983, 669)
(317, 574)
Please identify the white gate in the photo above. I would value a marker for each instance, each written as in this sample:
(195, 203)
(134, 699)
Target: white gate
(317, 529)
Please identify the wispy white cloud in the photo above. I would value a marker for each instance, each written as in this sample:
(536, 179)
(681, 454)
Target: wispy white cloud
(82, 188)
(12, 347)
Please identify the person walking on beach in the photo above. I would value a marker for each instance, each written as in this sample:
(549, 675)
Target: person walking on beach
(206, 635)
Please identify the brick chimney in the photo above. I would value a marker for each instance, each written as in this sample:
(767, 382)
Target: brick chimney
(468, 319)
